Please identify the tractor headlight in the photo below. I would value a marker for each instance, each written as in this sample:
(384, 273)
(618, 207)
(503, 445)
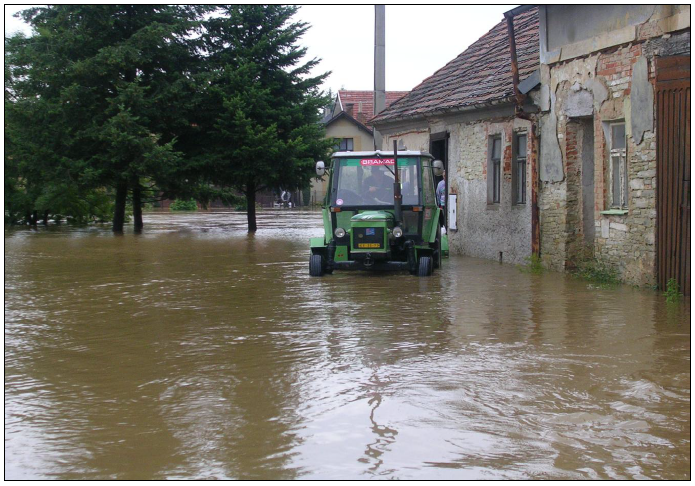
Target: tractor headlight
(397, 232)
(339, 232)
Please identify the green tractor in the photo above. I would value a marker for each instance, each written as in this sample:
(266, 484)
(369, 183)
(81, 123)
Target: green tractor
(377, 217)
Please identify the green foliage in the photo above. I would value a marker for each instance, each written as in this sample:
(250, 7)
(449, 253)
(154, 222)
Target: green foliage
(183, 205)
(597, 272)
(533, 265)
(257, 119)
(673, 294)
(195, 101)
(95, 98)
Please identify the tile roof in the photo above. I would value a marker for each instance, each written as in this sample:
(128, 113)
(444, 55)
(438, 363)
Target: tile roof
(363, 103)
(479, 75)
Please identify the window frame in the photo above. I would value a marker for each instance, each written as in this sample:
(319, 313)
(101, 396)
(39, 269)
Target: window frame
(494, 171)
(617, 156)
(519, 175)
(339, 144)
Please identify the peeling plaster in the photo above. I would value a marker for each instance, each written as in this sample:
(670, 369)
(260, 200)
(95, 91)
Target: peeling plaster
(641, 100)
(580, 102)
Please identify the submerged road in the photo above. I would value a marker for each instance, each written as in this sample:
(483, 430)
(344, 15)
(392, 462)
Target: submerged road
(195, 351)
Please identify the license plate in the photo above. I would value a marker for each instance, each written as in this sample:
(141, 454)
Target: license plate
(368, 245)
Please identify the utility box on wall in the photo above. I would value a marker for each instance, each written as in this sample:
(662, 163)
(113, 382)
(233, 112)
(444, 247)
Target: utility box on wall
(452, 211)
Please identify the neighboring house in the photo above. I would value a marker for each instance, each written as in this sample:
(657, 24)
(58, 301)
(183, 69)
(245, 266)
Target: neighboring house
(615, 139)
(348, 124)
(464, 114)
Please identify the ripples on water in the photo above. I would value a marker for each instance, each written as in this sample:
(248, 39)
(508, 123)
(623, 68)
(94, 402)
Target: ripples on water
(196, 351)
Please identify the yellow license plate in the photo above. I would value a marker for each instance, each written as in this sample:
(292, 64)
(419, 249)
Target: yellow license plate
(368, 245)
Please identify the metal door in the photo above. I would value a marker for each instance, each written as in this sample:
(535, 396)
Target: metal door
(673, 171)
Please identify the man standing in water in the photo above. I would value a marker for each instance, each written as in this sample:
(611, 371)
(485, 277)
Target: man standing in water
(441, 199)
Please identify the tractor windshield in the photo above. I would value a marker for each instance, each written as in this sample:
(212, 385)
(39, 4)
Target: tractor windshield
(369, 181)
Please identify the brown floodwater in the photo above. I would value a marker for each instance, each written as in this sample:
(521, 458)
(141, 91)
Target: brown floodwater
(195, 351)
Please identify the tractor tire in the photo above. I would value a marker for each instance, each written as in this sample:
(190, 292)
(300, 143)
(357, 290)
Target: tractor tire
(316, 268)
(425, 266)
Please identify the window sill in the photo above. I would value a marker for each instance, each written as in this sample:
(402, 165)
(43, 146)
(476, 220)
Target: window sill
(615, 212)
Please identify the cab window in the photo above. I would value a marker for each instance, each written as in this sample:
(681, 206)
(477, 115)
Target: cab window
(427, 182)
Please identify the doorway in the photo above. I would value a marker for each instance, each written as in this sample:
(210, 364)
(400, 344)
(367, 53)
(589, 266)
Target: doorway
(439, 148)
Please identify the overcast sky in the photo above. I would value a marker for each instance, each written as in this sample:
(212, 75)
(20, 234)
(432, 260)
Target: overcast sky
(419, 39)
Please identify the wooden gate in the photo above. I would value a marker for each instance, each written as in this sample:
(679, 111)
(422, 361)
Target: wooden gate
(673, 171)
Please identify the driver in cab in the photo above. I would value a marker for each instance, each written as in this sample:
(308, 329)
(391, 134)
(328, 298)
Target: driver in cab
(378, 187)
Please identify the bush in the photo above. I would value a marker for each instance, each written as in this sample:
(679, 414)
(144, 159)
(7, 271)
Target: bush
(181, 205)
(596, 271)
(672, 293)
(533, 265)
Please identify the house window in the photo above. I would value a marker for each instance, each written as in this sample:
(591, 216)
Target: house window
(494, 170)
(519, 169)
(618, 166)
(343, 144)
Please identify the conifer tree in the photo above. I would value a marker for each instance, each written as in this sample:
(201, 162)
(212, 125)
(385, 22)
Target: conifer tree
(99, 95)
(258, 109)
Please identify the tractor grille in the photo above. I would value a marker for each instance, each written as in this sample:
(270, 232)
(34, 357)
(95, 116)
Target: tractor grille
(368, 238)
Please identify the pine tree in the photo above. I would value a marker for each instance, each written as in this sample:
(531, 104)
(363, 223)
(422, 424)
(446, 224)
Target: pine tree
(100, 93)
(258, 110)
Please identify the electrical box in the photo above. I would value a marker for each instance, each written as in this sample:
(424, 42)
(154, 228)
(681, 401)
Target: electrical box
(452, 211)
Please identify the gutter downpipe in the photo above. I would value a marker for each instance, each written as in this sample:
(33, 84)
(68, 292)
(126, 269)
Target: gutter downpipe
(519, 113)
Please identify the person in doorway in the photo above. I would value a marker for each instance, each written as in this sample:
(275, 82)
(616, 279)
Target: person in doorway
(378, 187)
(441, 200)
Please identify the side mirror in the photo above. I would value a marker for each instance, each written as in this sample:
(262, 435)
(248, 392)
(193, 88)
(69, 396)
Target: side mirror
(438, 168)
(320, 168)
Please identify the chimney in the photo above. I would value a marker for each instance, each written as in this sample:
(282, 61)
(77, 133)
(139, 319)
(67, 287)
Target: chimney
(350, 109)
(379, 66)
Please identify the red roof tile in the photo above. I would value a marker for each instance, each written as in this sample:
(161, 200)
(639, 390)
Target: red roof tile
(363, 103)
(479, 75)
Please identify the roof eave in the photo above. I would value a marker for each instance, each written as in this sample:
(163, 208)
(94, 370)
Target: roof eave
(447, 111)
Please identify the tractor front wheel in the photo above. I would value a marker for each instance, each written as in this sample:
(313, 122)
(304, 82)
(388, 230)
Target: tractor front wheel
(425, 266)
(316, 268)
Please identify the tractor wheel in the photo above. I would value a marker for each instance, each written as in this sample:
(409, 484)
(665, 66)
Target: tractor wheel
(425, 266)
(316, 265)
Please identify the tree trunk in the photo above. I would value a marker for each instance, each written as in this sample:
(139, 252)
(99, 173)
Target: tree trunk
(45, 217)
(119, 209)
(137, 204)
(251, 207)
(34, 218)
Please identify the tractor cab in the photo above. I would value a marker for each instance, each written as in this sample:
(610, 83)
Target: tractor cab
(380, 213)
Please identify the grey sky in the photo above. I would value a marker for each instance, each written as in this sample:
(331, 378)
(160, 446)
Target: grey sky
(419, 39)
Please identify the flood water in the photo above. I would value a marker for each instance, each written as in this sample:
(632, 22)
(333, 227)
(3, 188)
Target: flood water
(194, 351)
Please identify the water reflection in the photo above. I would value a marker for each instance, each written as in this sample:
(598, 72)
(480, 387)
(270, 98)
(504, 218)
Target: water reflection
(193, 350)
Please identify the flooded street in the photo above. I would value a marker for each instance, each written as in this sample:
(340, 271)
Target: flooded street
(195, 351)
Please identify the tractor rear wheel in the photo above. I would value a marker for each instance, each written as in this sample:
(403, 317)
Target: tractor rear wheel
(425, 266)
(316, 268)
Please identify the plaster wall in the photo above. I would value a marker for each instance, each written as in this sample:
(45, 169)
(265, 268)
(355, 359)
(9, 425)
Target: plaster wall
(346, 129)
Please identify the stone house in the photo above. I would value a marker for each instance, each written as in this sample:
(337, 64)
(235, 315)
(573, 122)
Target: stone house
(464, 114)
(611, 187)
